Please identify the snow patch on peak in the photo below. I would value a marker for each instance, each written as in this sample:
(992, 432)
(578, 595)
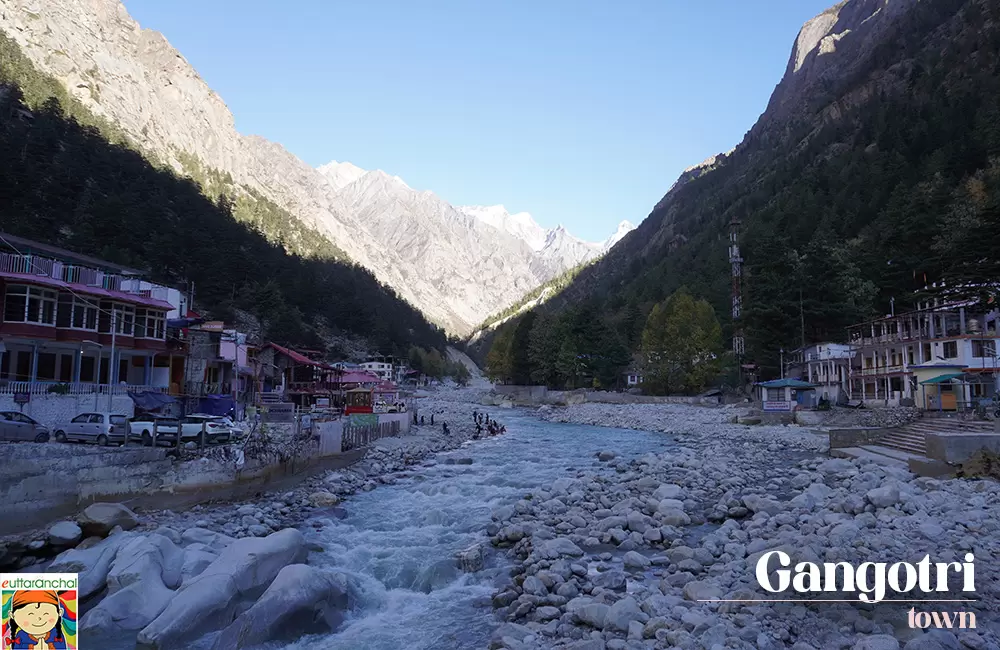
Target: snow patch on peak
(624, 228)
(340, 174)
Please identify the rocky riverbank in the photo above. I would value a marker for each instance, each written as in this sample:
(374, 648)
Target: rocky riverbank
(385, 462)
(619, 557)
(160, 579)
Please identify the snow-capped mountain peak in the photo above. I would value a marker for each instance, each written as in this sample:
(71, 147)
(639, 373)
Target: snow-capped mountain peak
(521, 225)
(340, 174)
(624, 228)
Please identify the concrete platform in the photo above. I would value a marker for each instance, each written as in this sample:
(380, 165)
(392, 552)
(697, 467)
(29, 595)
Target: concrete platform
(863, 453)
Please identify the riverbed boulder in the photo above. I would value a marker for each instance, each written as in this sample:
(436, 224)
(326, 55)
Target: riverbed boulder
(323, 499)
(605, 456)
(301, 600)
(471, 559)
(211, 539)
(622, 613)
(143, 575)
(100, 518)
(883, 497)
(243, 569)
(92, 564)
(560, 547)
(64, 533)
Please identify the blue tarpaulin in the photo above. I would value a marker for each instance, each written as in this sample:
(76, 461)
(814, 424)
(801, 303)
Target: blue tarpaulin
(215, 404)
(151, 401)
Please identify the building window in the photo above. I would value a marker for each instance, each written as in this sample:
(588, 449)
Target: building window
(24, 304)
(76, 313)
(909, 355)
(927, 353)
(775, 394)
(950, 349)
(982, 349)
(155, 324)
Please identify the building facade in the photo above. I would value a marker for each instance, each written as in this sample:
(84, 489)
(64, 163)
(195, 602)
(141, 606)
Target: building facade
(890, 349)
(382, 369)
(827, 366)
(80, 324)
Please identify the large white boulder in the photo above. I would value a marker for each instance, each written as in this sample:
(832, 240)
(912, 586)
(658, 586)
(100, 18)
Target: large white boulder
(143, 575)
(145, 556)
(64, 533)
(301, 600)
(92, 564)
(245, 567)
(98, 519)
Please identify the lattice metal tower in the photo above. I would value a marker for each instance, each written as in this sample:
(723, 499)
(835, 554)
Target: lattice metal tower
(737, 271)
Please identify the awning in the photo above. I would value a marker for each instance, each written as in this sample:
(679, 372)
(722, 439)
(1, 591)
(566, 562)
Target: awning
(940, 379)
(215, 404)
(787, 383)
(151, 401)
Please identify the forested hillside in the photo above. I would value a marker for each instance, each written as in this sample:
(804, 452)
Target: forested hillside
(881, 174)
(69, 178)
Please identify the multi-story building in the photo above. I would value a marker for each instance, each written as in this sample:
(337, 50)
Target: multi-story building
(382, 369)
(950, 335)
(827, 366)
(79, 323)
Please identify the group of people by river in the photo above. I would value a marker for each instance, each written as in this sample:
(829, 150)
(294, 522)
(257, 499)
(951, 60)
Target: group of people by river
(484, 423)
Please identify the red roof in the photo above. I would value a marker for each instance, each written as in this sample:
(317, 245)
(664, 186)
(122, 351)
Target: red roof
(296, 356)
(386, 387)
(120, 296)
(356, 377)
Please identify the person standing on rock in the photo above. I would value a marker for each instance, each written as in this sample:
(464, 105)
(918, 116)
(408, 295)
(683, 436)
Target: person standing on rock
(432, 419)
(444, 428)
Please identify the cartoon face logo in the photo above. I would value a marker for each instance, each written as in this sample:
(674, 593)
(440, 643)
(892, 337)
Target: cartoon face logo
(35, 612)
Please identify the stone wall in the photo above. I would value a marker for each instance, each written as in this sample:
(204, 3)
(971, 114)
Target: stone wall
(854, 437)
(956, 448)
(56, 410)
(42, 482)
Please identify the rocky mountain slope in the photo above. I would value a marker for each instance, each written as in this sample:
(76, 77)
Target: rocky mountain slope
(455, 269)
(872, 170)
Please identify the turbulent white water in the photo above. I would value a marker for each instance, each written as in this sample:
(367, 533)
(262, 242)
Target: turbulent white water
(398, 542)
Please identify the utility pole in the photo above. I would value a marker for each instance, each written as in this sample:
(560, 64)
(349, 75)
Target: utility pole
(736, 262)
(781, 362)
(802, 322)
(111, 360)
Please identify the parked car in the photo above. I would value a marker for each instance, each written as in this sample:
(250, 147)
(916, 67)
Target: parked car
(216, 428)
(18, 426)
(101, 428)
(166, 429)
(142, 428)
(235, 429)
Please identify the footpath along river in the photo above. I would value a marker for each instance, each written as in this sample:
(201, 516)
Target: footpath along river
(398, 543)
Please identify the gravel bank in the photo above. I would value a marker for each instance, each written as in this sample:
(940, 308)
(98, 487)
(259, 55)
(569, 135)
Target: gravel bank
(618, 558)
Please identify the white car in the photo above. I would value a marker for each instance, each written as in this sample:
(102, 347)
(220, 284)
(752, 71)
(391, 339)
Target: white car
(100, 428)
(217, 429)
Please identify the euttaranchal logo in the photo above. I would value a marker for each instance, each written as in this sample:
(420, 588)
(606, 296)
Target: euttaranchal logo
(38, 610)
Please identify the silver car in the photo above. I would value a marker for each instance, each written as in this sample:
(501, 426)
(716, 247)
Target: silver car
(18, 426)
(100, 428)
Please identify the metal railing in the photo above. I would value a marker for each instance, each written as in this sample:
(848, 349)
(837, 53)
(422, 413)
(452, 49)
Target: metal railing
(8, 387)
(356, 436)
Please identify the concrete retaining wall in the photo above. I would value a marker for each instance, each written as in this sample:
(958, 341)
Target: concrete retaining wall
(954, 448)
(532, 394)
(853, 437)
(56, 410)
(43, 482)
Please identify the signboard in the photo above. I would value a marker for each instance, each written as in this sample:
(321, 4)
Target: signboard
(363, 419)
(22, 398)
(777, 406)
(323, 402)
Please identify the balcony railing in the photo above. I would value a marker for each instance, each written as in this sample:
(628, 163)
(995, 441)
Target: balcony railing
(57, 270)
(208, 388)
(70, 388)
(880, 370)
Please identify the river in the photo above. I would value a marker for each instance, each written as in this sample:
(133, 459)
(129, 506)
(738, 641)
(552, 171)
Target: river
(398, 542)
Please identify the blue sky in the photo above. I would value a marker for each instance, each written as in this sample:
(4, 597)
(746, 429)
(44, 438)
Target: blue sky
(582, 113)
